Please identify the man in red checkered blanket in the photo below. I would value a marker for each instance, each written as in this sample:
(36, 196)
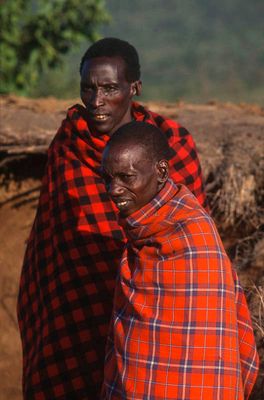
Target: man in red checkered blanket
(74, 249)
(180, 327)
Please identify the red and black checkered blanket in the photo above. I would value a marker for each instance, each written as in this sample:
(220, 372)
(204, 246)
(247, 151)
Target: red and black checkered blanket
(73, 253)
(180, 327)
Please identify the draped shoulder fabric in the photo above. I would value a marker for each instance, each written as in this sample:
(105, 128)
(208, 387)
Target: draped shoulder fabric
(180, 327)
(73, 253)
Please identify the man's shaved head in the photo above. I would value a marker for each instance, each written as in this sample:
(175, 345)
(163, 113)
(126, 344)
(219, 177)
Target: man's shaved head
(114, 47)
(144, 134)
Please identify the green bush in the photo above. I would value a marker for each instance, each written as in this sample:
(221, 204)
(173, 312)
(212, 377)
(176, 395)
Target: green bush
(35, 35)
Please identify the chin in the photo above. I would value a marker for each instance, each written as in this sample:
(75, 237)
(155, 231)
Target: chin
(101, 129)
(125, 214)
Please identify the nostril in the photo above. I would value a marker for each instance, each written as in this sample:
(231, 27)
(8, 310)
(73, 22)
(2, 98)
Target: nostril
(115, 189)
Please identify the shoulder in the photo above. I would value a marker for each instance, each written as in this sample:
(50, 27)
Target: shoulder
(187, 212)
(75, 120)
(186, 201)
(169, 126)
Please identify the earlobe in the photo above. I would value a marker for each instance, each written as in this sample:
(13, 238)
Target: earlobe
(137, 88)
(163, 171)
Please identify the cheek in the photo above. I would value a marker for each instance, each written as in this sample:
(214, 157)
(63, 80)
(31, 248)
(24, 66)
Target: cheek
(122, 101)
(150, 189)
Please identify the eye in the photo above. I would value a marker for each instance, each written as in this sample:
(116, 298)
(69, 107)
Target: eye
(110, 89)
(127, 177)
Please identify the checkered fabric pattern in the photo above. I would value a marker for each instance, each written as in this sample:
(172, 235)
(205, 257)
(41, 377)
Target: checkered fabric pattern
(180, 328)
(73, 253)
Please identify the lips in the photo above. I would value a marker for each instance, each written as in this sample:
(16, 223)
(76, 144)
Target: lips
(100, 117)
(121, 204)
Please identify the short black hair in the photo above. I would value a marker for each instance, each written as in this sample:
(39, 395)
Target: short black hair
(147, 135)
(113, 47)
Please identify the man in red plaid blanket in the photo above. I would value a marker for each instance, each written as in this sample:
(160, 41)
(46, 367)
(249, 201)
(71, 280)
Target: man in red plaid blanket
(74, 249)
(180, 327)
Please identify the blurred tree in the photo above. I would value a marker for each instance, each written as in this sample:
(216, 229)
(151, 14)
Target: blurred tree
(36, 34)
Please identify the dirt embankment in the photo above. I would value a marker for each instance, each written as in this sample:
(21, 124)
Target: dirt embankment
(230, 142)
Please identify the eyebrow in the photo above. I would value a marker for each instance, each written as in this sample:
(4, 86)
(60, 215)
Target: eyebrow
(102, 82)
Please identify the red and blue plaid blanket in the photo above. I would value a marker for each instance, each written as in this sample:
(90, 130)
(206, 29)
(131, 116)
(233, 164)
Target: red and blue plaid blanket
(180, 328)
(72, 255)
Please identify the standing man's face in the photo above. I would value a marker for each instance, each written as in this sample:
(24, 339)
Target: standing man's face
(107, 94)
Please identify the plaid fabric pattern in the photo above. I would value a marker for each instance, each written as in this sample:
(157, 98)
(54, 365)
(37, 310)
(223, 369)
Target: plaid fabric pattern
(73, 253)
(180, 328)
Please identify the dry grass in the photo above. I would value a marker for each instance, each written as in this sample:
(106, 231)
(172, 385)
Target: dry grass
(255, 297)
(258, 315)
(238, 198)
(237, 203)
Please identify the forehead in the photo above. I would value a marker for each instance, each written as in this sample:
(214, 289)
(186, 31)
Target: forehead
(112, 67)
(130, 155)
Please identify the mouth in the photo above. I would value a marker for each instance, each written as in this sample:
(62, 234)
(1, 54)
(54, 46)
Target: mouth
(121, 204)
(100, 117)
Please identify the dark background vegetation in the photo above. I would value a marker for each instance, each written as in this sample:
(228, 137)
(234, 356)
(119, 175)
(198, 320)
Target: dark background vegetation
(195, 50)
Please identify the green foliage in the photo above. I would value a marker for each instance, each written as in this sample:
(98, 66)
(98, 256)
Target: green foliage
(36, 34)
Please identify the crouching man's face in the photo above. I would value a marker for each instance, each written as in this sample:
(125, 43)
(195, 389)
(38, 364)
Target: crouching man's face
(131, 177)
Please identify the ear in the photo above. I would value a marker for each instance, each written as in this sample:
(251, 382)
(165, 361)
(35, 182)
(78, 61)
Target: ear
(162, 171)
(136, 88)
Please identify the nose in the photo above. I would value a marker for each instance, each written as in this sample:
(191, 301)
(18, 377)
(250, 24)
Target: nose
(97, 98)
(115, 189)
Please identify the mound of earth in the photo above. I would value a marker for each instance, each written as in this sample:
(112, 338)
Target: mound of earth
(229, 140)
